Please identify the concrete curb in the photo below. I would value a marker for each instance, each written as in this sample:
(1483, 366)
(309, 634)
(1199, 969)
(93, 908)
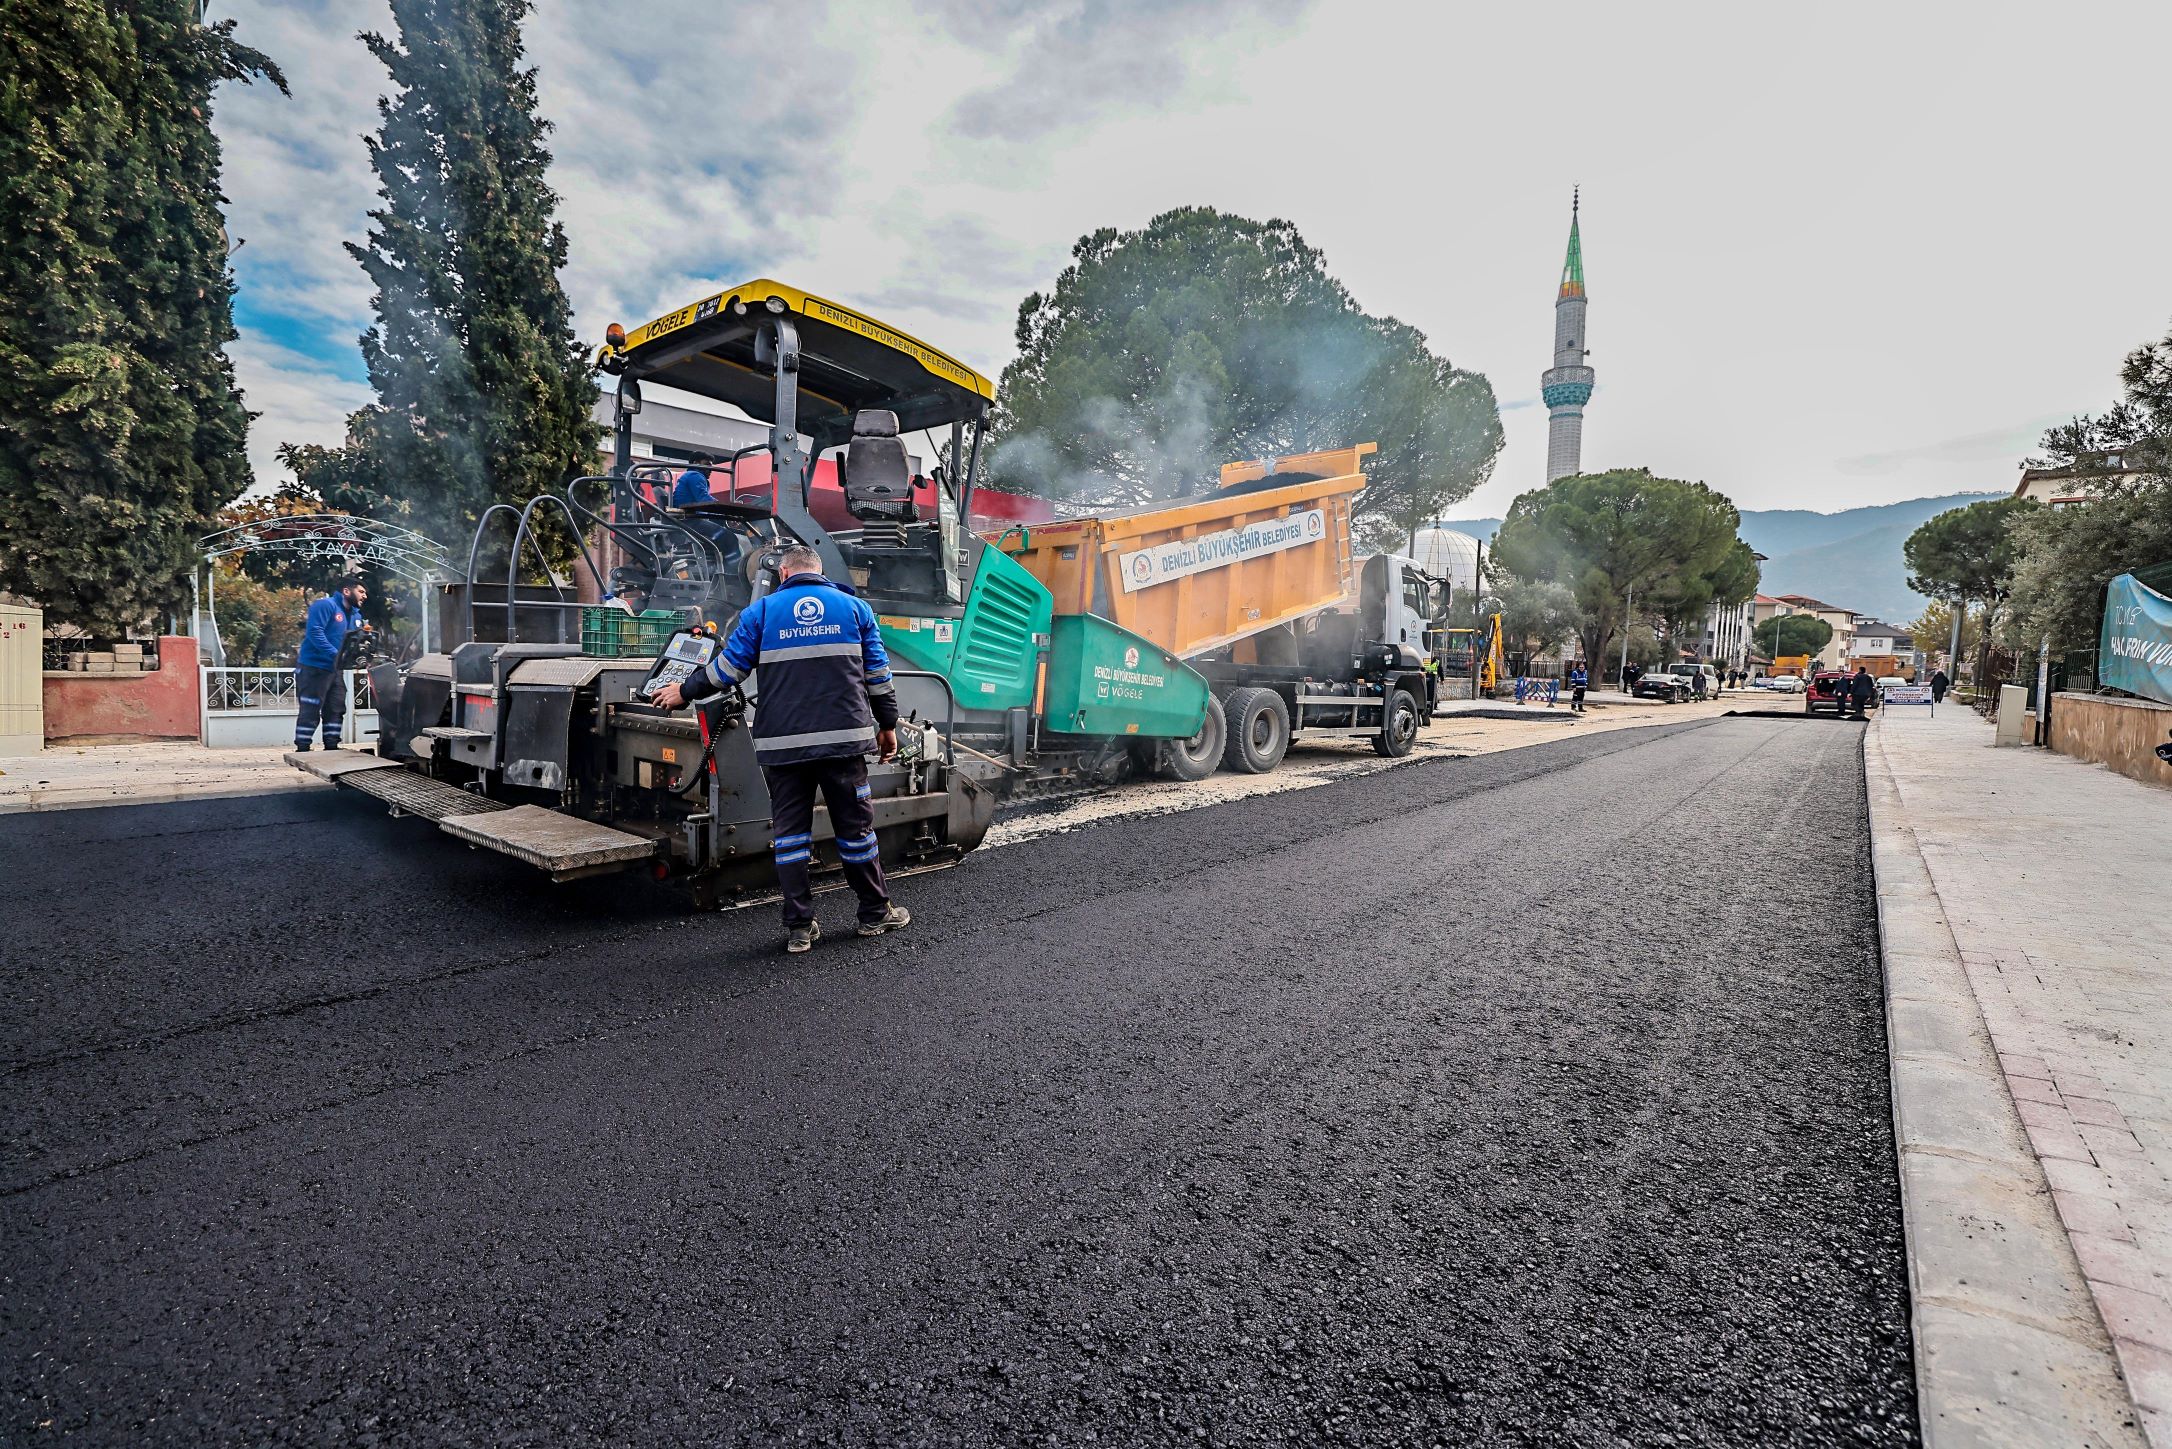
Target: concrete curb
(2009, 1346)
(94, 798)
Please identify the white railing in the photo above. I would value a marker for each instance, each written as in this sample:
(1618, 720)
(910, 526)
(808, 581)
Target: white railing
(253, 706)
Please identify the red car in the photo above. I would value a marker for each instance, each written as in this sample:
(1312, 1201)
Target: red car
(1827, 690)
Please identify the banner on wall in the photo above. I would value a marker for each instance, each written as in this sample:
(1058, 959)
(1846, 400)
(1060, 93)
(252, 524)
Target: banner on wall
(2134, 651)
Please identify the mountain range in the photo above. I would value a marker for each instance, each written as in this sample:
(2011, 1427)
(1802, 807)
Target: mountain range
(1851, 559)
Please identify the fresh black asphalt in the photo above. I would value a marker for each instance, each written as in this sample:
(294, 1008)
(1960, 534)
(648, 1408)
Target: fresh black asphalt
(1534, 1098)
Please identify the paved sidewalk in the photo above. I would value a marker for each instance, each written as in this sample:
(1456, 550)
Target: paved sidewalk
(69, 777)
(2053, 879)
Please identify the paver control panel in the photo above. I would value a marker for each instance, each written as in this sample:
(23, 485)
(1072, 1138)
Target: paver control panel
(687, 652)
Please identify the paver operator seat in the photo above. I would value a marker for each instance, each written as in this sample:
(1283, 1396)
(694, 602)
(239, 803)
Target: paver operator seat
(878, 479)
(901, 554)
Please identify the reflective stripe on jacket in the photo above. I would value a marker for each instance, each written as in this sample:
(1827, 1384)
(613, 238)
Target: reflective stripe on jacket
(825, 683)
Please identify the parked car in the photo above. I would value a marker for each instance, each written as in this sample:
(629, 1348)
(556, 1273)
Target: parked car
(1765, 681)
(1662, 684)
(1828, 690)
(1785, 683)
(1691, 671)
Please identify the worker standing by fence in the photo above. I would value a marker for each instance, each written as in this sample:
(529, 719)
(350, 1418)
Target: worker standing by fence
(319, 691)
(826, 703)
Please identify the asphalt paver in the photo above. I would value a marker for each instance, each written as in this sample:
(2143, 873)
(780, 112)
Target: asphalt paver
(1536, 1098)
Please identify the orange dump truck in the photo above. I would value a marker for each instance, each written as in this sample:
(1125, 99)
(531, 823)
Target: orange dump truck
(1256, 586)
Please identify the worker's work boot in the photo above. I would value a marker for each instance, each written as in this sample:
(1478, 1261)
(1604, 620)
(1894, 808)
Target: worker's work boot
(802, 938)
(896, 918)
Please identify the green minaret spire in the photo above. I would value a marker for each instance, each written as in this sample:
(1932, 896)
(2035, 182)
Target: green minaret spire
(1572, 270)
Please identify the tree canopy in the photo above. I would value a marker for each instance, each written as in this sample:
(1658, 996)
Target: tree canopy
(2063, 557)
(2139, 425)
(1788, 634)
(1608, 535)
(483, 392)
(1965, 553)
(1203, 338)
(121, 429)
(1536, 614)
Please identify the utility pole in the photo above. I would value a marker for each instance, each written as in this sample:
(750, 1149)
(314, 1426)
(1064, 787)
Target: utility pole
(1953, 650)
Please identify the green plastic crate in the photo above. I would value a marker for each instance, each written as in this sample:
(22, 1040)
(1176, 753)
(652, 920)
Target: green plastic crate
(609, 632)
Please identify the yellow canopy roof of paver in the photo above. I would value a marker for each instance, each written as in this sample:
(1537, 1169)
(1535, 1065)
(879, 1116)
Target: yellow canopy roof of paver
(848, 361)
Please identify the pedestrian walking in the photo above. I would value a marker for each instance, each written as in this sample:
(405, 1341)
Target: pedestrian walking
(826, 703)
(1862, 693)
(320, 690)
(1939, 685)
(1578, 680)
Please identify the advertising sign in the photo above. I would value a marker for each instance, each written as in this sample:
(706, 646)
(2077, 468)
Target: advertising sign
(1163, 562)
(2134, 651)
(1906, 694)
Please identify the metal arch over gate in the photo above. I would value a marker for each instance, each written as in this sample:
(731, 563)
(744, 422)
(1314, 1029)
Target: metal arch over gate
(356, 542)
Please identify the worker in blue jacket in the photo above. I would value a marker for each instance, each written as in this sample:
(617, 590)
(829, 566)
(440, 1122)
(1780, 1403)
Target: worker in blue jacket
(825, 703)
(319, 689)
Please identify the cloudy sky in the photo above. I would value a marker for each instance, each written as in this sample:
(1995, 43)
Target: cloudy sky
(1837, 254)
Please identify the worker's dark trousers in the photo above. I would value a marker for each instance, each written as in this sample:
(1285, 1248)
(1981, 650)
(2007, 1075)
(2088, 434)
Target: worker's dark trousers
(321, 694)
(843, 786)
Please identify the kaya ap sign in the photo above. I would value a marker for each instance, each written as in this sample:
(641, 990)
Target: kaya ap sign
(1165, 561)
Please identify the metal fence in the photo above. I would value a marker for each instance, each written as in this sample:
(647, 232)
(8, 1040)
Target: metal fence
(253, 706)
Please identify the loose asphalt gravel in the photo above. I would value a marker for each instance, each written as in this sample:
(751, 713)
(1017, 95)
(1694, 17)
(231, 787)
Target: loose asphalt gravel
(1535, 1098)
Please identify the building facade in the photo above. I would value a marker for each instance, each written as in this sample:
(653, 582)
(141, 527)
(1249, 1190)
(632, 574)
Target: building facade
(1876, 640)
(2078, 482)
(1566, 386)
(1838, 649)
(1726, 639)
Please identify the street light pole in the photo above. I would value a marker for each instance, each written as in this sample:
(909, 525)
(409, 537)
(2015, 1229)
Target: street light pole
(1953, 650)
(1621, 675)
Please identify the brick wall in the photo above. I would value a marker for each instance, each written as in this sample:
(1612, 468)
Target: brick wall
(161, 705)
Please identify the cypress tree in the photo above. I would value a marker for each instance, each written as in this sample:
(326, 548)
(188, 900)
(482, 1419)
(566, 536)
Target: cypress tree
(121, 429)
(483, 393)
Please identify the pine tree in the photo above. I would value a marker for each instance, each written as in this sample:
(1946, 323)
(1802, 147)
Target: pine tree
(121, 429)
(483, 393)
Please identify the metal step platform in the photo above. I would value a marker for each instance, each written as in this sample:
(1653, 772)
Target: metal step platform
(334, 764)
(561, 844)
(405, 790)
(454, 732)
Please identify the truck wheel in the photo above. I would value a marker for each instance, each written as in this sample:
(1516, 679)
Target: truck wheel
(1259, 730)
(1199, 756)
(1400, 730)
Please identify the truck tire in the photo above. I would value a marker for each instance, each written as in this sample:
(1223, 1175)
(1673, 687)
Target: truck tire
(1199, 756)
(1258, 724)
(1398, 727)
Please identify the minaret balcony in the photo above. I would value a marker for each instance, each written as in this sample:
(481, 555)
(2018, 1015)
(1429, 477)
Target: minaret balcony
(1566, 386)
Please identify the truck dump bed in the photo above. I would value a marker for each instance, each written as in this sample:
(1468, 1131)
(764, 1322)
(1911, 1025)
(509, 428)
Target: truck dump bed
(1198, 573)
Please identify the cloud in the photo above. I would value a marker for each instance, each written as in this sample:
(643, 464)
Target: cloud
(1064, 66)
(2001, 446)
(307, 400)
(296, 176)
